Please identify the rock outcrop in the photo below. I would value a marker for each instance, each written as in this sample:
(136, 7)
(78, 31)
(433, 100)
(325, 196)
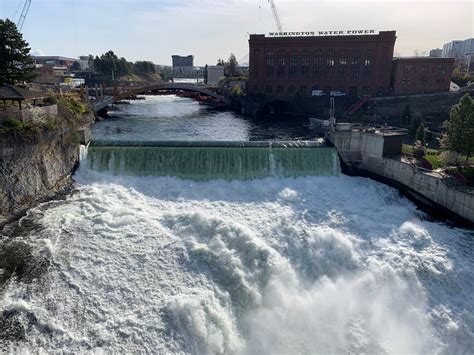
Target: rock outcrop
(34, 170)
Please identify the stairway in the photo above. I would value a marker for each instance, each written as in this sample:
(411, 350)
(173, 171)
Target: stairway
(358, 105)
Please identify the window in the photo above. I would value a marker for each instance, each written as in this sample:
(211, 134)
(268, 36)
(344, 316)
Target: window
(269, 64)
(342, 69)
(408, 70)
(441, 69)
(303, 90)
(368, 63)
(305, 64)
(355, 63)
(280, 89)
(291, 90)
(366, 90)
(281, 62)
(318, 58)
(293, 65)
(330, 62)
(424, 70)
(256, 62)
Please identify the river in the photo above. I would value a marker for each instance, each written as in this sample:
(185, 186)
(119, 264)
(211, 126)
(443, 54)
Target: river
(275, 265)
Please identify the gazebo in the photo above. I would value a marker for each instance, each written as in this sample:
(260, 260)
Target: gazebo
(16, 94)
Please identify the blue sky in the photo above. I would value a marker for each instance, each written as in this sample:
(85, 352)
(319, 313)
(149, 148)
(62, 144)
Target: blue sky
(211, 29)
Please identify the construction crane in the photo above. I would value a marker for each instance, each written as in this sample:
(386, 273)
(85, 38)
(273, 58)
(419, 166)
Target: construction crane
(276, 16)
(24, 12)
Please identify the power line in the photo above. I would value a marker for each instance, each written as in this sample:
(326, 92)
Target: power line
(75, 26)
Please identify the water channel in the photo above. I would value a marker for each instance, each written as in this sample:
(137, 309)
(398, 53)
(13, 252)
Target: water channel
(280, 263)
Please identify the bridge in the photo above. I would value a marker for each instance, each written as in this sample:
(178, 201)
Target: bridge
(103, 100)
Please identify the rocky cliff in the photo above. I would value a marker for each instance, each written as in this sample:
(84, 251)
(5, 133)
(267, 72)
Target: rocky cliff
(34, 170)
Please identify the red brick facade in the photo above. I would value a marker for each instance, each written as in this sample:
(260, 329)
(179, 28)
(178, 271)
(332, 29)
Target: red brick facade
(355, 65)
(421, 75)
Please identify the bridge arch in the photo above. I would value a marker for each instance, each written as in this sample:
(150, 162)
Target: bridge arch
(170, 87)
(277, 107)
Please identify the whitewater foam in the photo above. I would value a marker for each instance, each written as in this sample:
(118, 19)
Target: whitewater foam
(273, 266)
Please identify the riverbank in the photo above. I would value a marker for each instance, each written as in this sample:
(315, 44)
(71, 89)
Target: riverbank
(377, 153)
(37, 158)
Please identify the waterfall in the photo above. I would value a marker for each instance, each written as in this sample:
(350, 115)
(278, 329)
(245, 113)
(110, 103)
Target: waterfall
(214, 160)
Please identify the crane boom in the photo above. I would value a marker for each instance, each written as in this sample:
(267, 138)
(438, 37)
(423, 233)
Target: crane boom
(276, 16)
(24, 12)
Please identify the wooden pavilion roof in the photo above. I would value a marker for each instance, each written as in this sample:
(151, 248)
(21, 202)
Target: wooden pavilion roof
(9, 92)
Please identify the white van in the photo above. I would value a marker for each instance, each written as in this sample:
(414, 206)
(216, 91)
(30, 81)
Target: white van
(318, 93)
(337, 93)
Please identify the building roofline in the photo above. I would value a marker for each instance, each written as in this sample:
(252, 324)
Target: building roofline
(54, 57)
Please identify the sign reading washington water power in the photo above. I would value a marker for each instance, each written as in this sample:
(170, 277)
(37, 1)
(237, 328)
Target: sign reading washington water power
(322, 33)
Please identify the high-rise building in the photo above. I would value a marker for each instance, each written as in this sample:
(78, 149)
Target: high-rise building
(458, 49)
(183, 61)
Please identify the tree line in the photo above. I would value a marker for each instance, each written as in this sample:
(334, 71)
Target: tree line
(109, 62)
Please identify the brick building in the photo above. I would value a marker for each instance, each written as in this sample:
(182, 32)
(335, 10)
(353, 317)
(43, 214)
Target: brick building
(421, 75)
(356, 65)
(353, 64)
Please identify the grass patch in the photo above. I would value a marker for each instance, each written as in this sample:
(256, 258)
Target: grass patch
(435, 161)
(432, 155)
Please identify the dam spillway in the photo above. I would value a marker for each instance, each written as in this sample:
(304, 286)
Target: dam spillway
(209, 160)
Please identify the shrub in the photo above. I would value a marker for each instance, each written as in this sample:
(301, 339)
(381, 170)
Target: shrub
(50, 100)
(449, 158)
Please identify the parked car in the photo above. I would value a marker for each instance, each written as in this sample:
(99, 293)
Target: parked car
(318, 93)
(337, 93)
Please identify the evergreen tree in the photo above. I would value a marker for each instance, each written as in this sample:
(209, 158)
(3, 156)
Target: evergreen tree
(231, 66)
(406, 116)
(459, 129)
(415, 123)
(421, 134)
(16, 64)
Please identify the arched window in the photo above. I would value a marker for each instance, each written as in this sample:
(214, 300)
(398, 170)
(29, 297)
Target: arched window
(281, 63)
(269, 64)
(293, 64)
(305, 64)
(342, 69)
(368, 63)
(330, 62)
(318, 58)
(355, 64)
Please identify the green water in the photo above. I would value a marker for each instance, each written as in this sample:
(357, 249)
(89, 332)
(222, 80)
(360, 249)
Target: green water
(204, 163)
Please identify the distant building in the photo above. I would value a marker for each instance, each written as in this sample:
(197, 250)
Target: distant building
(54, 61)
(436, 53)
(214, 73)
(84, 62)
(183, 62)
(458, 49)
(421, 75)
